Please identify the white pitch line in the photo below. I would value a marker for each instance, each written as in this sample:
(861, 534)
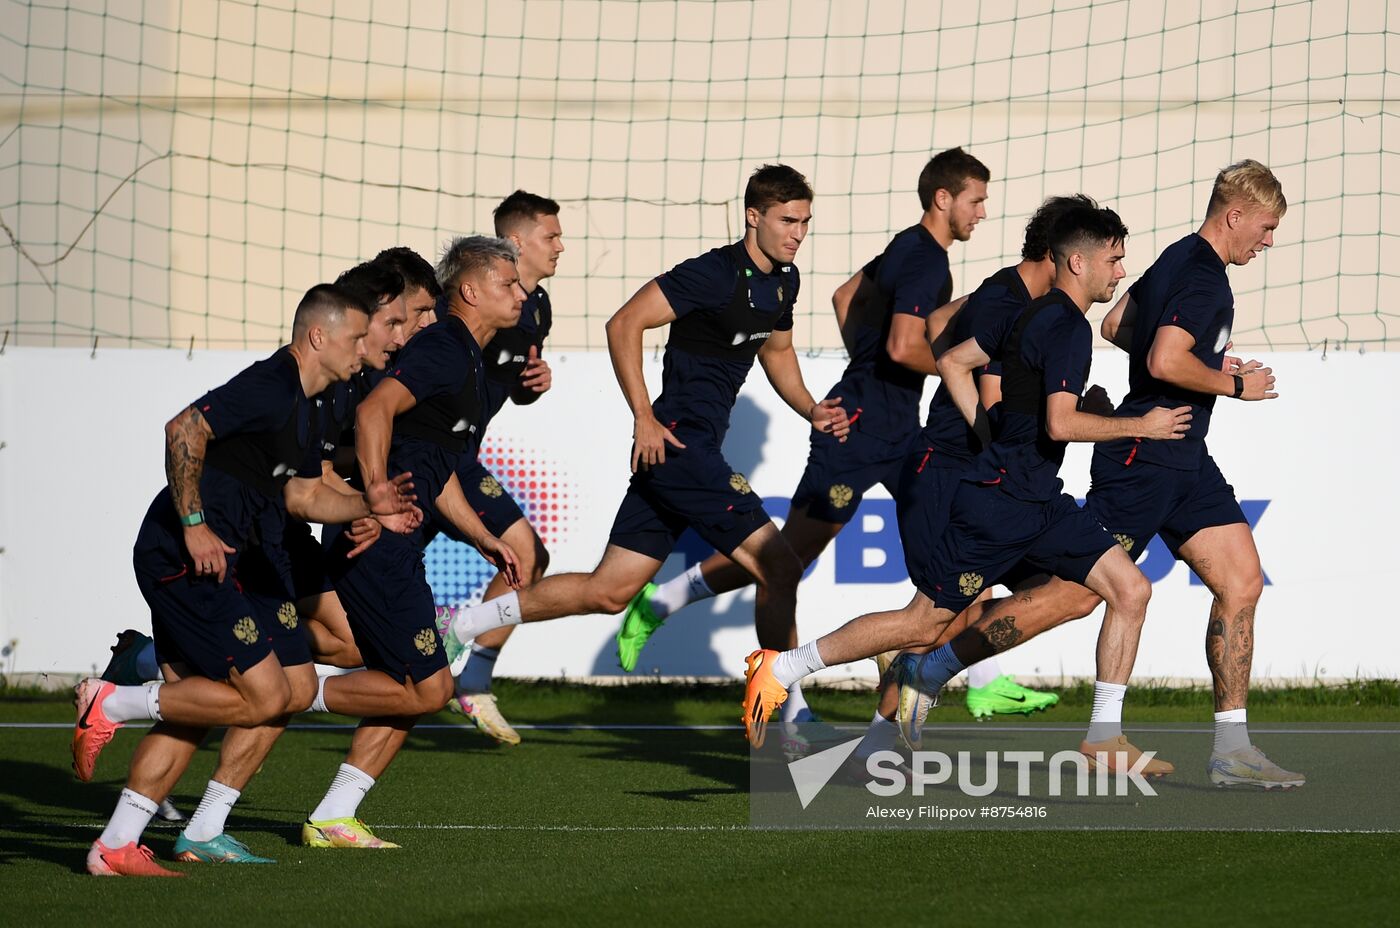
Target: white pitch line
(315, 726)
(955, 729)
(428, 827)
(170, 826)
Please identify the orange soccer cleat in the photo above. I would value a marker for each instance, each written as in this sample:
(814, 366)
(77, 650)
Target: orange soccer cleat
(762, 694)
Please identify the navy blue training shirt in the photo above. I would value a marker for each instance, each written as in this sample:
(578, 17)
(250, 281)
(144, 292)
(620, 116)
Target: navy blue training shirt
(442, 367)
(1000, 299)
(508, 351)
(1045, 350)
(726, 308)
(912, 278)
(266, 431)
(1185, 287)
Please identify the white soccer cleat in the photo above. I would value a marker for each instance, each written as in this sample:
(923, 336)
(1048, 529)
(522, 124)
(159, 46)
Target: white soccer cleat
(166, 811)
(485, 715)
(1249, 767)
(914, 703)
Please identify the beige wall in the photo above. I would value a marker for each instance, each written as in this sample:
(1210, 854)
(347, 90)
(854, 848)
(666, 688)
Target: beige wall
(240, 153)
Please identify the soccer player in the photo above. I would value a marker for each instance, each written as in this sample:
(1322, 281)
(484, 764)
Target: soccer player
(421, 419)
(1140, 489)
(965, 530)
(240, 451)
(516, 371)
(1175, 325)
(885, 311)
(404, 288)
(947, 443)
(725, 308)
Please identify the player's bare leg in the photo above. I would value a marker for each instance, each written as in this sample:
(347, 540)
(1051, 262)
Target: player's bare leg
(332, 642)
(240, 757)
(1227, 561)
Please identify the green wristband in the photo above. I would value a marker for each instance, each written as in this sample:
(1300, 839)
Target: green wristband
(194, 518)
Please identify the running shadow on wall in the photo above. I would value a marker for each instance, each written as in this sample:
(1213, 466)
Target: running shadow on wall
(682, 647)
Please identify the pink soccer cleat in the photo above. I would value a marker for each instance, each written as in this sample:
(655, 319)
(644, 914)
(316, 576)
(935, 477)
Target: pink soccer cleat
(93, 729)
(130, 860)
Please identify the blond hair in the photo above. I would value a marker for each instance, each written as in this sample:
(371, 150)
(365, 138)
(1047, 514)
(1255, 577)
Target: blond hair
(1247, 182)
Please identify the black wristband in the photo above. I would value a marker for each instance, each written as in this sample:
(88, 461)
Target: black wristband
(982, 427)
(1239, 387)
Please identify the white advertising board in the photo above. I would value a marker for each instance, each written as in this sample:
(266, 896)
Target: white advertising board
(82, 456)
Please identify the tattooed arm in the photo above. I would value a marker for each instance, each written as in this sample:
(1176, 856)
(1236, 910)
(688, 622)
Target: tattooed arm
(186, 438)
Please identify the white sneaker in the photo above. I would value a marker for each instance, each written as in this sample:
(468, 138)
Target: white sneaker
(481, 709)
(167, 811)
(1249, 767)
(914, 703)
(796, 745)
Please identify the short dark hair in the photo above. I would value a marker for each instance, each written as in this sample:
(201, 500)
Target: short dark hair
(1036, 245)
(412, 267)
(372, 283)
(1080, 226)
(521, 207)
(949, 170)
(775, 183)
(324, 304)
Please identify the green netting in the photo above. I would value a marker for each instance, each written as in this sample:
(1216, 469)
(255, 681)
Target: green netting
(175, 173)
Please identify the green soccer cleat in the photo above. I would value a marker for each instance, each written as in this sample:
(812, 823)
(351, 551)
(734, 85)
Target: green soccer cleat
(638, 624)
(457, 651)
(342, 832)
(1004, 696)
(220, 849)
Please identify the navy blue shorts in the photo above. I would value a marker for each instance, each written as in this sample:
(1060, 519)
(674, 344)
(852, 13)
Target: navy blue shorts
(211, 628)
(389, 604)
(491, 502)
(268, 589)
(922, 507)
(696, 488)
(1138, 500)
(838, 475)
(991, 532)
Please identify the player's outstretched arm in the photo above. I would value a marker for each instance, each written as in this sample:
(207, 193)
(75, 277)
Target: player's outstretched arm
(1117, 326)
(1064, 421)
(374, 427)
(186, 440)
(939, 327)
(647, 309)
(955, 366)
(779, 361)
(452, 504)
(1170, 359)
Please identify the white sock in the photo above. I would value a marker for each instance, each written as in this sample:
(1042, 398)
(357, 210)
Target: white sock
(1231, 731)
(1106, 718)
(129, 819)
(937, 668)
(476, 676)
(680, 591)
(146, 666)
(983, 672)
(792, 666)
(319, 703)
(133, 702)
(343, 798)
(795, 703)
(494, 613)
(208, 820)
(880, 736)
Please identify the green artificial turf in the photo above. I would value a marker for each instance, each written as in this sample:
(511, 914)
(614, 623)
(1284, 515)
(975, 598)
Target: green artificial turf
(590, 827)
